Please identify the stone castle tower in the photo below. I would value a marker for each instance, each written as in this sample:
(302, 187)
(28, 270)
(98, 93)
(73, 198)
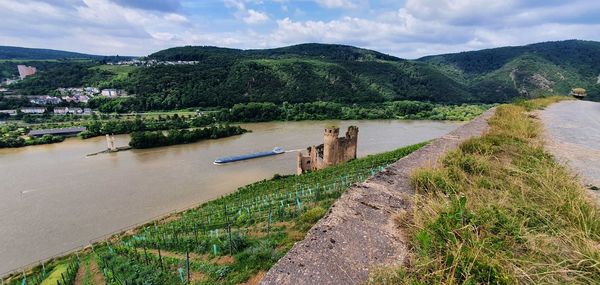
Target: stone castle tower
(333, 151)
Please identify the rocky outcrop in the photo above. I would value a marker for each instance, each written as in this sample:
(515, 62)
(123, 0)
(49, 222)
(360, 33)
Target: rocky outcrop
(541, 82)
(359, 231)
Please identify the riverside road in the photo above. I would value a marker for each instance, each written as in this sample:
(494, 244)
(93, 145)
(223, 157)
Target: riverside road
(573, 135)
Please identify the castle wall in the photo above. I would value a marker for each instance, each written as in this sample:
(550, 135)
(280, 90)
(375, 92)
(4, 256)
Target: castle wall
(333, 151)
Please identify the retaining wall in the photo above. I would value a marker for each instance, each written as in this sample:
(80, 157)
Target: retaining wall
(359, 233)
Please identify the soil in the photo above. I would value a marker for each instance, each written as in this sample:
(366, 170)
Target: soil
(225, 259)
(80, 274)
(254, 280)
(97, 277)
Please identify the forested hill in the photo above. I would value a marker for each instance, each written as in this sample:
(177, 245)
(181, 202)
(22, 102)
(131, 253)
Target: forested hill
(24, 54)
(582, 55)
(526, 71)
(309, 50)
(223, 77)
(300, 73)
(9, 52)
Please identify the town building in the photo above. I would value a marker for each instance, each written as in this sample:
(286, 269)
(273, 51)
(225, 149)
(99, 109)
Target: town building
(111, 93)
(44, 100)
(333, 151)
(76, 99)
(33, 110)
(57, 132)
(67, 110)
(25, 71)
(60, 110)
(82, 99)
(9, 112)
(91, 90)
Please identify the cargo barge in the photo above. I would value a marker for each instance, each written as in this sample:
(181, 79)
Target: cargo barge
(228, 159)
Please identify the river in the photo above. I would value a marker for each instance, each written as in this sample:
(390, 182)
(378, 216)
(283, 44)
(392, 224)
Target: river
(54, 199)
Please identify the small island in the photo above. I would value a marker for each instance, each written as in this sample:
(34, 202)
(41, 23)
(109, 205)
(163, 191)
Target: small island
(150, 139)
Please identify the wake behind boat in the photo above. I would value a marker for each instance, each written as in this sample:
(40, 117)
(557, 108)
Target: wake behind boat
(228, 159)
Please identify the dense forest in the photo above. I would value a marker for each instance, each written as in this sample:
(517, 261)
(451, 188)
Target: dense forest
(21, 53)
(10, 52)
(53, 75)
(524, 71)
(331, 73)
(264, 112)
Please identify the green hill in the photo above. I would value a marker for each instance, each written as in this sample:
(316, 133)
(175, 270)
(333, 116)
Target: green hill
(10, 52)
(309, 50)
(339, 73)
(524, 71)
(302, 73)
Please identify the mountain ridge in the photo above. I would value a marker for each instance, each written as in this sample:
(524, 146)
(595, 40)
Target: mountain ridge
(223, 77)
(27, 53)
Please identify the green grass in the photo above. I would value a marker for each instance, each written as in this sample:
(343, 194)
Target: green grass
(500, 210)
(121, 71)
(55, 275)
(265, 218)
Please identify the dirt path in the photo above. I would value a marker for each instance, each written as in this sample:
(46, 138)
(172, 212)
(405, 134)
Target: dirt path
(254, 280)
(97, 277)
(171, 254)
(572, 135)
(359, 232)
(225, 259)
(80, 273)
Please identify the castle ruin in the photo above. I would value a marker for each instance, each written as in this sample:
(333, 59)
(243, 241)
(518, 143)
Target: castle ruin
(333, 151)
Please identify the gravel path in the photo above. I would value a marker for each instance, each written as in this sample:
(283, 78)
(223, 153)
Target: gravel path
(573, 137)
(359, 231)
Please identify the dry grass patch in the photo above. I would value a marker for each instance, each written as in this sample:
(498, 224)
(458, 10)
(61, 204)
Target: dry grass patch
(500, 210)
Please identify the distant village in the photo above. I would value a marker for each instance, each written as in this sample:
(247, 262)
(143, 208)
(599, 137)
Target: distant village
(69, 95)
(151, 62)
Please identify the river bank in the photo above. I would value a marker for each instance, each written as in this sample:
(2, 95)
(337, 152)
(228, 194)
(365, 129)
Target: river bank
(99, 125)
(90, 197)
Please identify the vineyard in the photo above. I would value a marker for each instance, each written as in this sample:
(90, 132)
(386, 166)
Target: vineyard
(230, 240)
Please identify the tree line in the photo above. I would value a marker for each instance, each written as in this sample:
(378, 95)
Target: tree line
(149, 139)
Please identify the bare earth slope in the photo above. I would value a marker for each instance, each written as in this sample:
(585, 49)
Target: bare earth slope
(359, 231)
(573, 136)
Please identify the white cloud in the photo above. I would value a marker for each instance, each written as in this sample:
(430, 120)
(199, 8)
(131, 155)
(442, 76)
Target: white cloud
(176, 18)
(237, 4)
(411, 29)
(255, 17)
(347, 4)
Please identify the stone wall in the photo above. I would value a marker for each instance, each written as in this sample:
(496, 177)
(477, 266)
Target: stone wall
(333, 151)
(359, 232)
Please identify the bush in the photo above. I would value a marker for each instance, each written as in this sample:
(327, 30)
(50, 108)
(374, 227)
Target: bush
(309, 218)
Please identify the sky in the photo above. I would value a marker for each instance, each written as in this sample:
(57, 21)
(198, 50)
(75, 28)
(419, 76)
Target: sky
(404, 28)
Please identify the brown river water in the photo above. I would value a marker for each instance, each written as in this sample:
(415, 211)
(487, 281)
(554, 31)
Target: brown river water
(53, 199)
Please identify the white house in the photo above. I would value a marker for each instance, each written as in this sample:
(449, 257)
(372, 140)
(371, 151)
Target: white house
(33, 110)
(111, 93)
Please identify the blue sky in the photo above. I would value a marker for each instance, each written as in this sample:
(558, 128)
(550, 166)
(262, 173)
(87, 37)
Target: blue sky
(408, 29)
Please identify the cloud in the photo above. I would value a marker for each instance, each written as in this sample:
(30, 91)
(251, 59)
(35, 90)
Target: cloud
(410, 29)
(249, 16)
(237, 4)
(255, 17)
(347, 4)
(176, 18)
(93, 26)
(156, 5)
